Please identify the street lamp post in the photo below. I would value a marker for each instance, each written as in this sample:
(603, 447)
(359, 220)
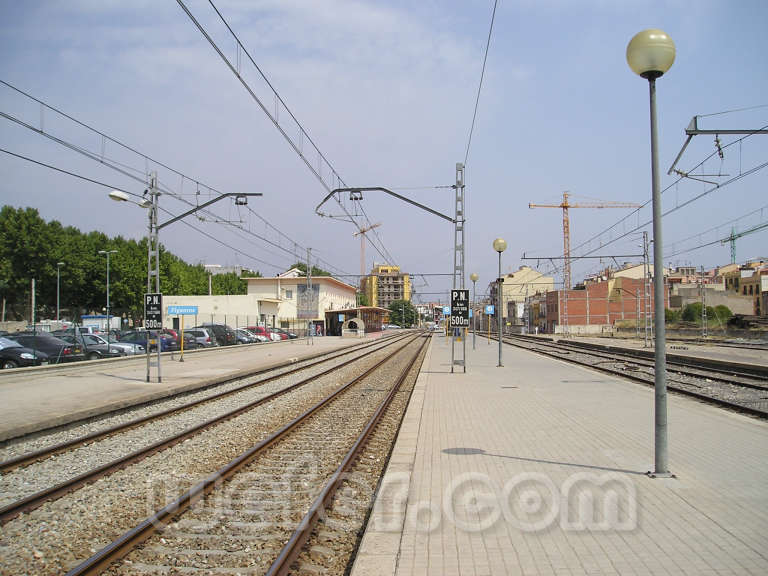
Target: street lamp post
(153, 240)
(650, 54)
(108, 252)
(474, 278)
(500, 245)
(210, 268)
(58, 283)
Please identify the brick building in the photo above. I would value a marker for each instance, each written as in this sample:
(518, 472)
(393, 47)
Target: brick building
(598, 306)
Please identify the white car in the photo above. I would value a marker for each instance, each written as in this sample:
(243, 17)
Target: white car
(125, 348)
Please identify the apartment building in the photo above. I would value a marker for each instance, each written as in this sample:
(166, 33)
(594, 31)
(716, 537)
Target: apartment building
(385, 284)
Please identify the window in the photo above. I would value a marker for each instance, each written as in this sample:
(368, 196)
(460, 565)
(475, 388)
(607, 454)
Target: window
(289, 294)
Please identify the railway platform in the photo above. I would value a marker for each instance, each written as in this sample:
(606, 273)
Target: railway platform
(33, 399)
(540, 467)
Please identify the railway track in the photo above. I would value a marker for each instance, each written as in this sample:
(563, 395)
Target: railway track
(58, 532)
(256, 514)
(737, 386)
(84, 459)
(43, 444)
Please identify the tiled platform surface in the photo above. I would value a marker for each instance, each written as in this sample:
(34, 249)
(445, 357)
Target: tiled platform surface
(539, 467)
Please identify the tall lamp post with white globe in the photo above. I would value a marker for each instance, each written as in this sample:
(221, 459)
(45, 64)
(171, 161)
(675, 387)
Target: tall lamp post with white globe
(499, 245)
(650, 54)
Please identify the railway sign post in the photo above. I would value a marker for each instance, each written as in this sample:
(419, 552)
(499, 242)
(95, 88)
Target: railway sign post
(459, 321)
(153, 320)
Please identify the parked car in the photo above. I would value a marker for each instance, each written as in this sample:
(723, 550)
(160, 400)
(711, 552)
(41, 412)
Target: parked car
(225, 336)
(204, 337)
(167, 343)
(256, 337)
(243, 336)
(14, 355)
(285, 332)
(190, 342)
(125, 348)
(93, 346)
(264, 331)
(57, 349)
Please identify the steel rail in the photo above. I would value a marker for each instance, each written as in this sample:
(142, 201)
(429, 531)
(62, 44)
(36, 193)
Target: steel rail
(135, 536)
(292, 548)
(37, 499)
(727, 369)
(43, 453)
(709, 399)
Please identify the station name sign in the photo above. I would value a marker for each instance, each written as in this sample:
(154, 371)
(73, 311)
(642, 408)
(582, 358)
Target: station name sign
(182, 310)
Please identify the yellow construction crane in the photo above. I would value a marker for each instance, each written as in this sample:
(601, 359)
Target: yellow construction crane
(361, 233)
(567, 227)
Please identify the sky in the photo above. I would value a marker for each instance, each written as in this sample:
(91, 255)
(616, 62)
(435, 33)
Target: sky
(386, 92)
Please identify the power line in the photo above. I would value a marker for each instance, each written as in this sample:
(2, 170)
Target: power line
(480, 86)
(111, 187)
(732, 111)
(122, 168)
(333, 175)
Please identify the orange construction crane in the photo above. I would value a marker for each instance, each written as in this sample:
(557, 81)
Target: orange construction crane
(361, 233)
(567, 227)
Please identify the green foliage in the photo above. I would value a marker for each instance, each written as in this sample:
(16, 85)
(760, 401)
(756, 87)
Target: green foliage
(719, 314)
(722, 312)
(692, 312)
(396, 310)
(31, 247)
(315, 270)
(362, 299)
(672, 315)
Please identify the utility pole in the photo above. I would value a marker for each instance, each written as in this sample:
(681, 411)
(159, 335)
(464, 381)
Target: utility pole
(310, 298)
(703, 306)
(646, 290)
(458, 257)
(153, 264)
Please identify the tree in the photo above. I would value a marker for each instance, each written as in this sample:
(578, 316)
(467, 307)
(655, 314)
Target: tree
(396, 310)
(315, 270)
(362, 299)
(723, 313)
(31, 247)
(671, 316)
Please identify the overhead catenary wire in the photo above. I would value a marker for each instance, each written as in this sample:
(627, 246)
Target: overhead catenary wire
(317, 171)
(112, 187)
(635, 213)
(124, 169)
(480, 85)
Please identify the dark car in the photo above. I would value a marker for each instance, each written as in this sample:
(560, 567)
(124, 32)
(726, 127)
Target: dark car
(225, 336)
(14, 355)
(190, 342)
(167, 343)
(204, 338)
(57, 349)
(93, 347)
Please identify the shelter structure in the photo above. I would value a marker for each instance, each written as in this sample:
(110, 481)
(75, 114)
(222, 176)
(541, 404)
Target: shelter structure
(372, 318)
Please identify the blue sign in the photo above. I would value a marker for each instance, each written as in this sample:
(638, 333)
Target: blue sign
(470, 312)
(341, 317)
(182, 310)
(490, 309)
(447, 310)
